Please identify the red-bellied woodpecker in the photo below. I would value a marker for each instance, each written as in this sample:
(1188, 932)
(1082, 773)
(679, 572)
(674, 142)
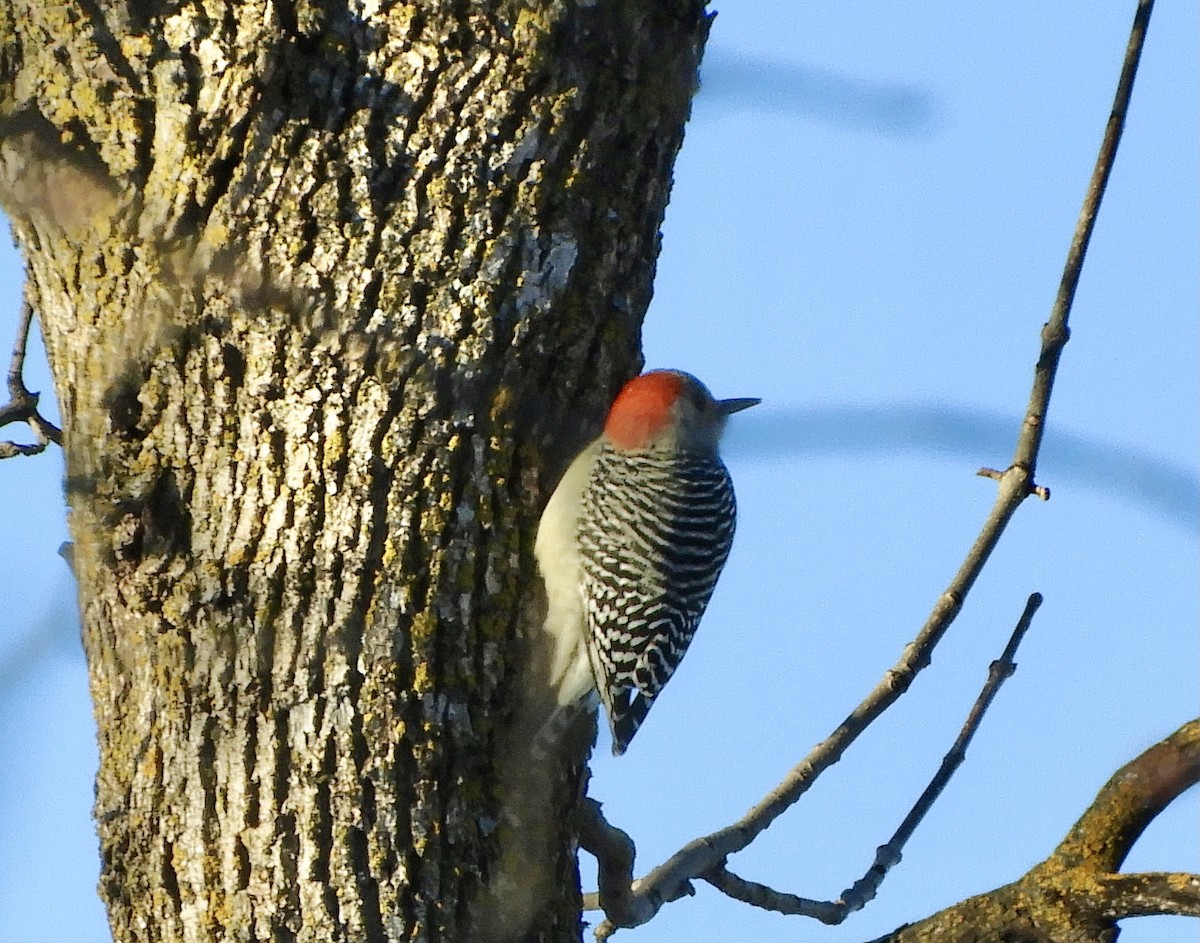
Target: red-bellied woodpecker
(632, 542)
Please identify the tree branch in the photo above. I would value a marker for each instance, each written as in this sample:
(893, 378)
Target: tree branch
(1075, 894)
(767, 898)
(1130, 801)
(22, 405)
(614, 852)
(1149, 894)
(1056, 333)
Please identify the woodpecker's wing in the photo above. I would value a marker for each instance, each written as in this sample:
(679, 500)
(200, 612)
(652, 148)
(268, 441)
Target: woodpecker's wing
(655, 533)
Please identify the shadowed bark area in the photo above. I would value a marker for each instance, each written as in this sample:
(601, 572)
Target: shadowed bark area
(319, 283)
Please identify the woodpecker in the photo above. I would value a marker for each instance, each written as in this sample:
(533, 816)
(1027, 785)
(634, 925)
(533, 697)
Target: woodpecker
(631, 544)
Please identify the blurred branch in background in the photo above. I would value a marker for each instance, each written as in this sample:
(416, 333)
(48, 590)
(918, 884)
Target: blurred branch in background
(742, 83)
(1170, 491)
(55, 635)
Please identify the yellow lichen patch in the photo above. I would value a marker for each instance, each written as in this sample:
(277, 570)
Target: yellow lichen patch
(135, 46)
(390, 553)
(215, 235)
(150, 767)
(532, 27)
(433, 518)
(422, 679)
(502, 404)
(179, 607)
(423, 628)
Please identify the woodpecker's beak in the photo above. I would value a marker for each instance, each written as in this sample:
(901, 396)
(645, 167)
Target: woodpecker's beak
(730, 406)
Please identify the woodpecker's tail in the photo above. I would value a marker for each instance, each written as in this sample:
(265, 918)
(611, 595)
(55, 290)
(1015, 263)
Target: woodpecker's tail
(625, 717)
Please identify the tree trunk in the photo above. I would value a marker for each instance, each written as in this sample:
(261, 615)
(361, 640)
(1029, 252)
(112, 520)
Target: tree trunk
(331, 292)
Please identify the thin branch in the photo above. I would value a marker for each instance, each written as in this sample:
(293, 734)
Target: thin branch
(668, 881)
(22, 405)
(767, 898)
(1003, 668)
(709, 853)
(1055, 333)
(889, 854)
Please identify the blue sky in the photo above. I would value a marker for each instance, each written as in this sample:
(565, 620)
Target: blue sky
(867, 230)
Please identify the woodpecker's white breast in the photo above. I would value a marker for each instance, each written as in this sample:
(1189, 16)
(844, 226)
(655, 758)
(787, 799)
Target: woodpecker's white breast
(557, 551)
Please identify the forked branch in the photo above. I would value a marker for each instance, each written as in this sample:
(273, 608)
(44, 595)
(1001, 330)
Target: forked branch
(22, 405)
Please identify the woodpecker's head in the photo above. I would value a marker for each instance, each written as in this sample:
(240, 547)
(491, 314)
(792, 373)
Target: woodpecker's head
(668, 410)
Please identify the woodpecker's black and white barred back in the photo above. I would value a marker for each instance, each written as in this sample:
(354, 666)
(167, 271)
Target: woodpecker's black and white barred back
(630, 547)
(654, 534)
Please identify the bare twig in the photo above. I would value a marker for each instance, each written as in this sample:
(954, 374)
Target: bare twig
(889, 854)
(1056, 333)
(767, 898)
(708, 854)
(22, 405)
(864, 890)
(1036, 490)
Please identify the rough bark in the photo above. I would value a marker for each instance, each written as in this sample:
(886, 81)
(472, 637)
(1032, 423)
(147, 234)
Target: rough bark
(330, 291)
